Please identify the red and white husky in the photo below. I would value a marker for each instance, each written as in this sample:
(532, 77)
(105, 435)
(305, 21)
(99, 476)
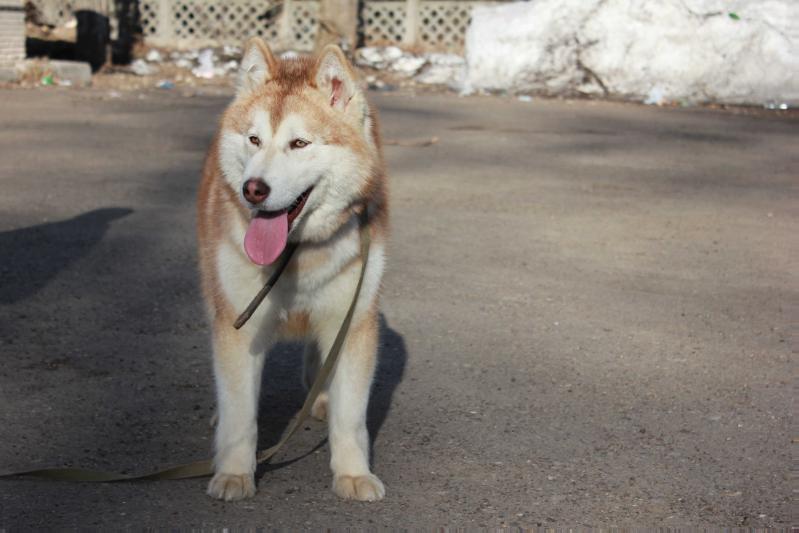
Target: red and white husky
(297, 158)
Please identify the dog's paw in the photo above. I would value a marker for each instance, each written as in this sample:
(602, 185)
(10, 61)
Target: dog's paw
(319, 408)
(366, 488)
(231, 487)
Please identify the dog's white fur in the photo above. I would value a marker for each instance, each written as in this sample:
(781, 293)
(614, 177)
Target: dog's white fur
(278, 101)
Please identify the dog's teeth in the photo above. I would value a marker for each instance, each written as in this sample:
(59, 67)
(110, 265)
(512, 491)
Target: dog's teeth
(296, 203)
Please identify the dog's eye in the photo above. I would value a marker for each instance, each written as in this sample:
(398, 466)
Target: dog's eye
(298, 143)
(254, 140)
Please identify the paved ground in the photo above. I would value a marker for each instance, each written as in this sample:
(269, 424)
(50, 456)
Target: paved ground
(587, 318)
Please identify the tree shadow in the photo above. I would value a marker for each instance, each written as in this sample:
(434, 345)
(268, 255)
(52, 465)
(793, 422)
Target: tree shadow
(34, 255)
(283, 394)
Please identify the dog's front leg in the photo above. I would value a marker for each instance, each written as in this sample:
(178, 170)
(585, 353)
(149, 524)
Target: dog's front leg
(348, 401)
(238, 377)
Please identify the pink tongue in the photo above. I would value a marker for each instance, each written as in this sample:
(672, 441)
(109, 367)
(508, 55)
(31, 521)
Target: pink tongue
(266, 238)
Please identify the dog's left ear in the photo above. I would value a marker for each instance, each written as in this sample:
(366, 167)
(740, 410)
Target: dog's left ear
(257, 66)
(335, 77)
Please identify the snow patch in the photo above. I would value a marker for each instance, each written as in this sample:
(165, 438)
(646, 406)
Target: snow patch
(429, 68)
(731, 51)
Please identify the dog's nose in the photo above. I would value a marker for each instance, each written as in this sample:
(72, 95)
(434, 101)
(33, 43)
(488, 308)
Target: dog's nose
(255, 190)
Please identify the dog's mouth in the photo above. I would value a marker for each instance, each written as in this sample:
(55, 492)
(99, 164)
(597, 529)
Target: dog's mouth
(294, 210)
(267, 233)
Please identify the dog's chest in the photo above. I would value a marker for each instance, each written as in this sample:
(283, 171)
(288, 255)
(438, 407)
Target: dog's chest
(315, 276)
(316, 266)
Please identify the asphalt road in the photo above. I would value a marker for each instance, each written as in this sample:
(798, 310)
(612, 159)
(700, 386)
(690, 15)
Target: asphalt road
(589, 318)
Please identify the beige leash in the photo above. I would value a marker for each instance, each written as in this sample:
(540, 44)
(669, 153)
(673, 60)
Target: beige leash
(206, 467)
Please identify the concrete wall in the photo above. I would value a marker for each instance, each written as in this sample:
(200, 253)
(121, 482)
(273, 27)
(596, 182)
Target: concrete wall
(12, 32)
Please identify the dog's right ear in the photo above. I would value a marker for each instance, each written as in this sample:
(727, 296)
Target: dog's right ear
(257, 66)
(335, 77)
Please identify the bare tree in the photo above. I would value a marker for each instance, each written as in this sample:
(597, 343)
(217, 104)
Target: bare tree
(338, 23)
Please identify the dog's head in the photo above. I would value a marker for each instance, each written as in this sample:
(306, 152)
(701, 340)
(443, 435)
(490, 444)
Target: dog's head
(297, 147)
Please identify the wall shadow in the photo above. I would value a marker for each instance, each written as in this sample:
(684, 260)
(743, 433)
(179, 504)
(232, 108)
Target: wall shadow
(34, 255)
(282, 393)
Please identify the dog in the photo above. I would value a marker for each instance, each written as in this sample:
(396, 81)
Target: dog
(297, 159)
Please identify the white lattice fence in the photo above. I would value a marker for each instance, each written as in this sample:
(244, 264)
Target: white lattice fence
(441, 23)
(229, 22)
(208, 21)
(304, 24)
(383, 22)
(444, 24)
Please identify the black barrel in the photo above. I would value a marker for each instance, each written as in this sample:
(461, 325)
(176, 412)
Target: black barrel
(94, 34)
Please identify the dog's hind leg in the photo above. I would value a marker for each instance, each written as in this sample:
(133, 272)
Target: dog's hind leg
(312, 361)
(237, 368)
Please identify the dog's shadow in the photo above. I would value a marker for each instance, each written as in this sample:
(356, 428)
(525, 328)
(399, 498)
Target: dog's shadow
(33, 256)
(283, 394)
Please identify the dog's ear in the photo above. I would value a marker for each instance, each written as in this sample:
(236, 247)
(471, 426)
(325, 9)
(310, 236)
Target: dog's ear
(257, 66)
(335, 77)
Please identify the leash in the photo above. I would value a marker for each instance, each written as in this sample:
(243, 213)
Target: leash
(284, 260)
(206, 467)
